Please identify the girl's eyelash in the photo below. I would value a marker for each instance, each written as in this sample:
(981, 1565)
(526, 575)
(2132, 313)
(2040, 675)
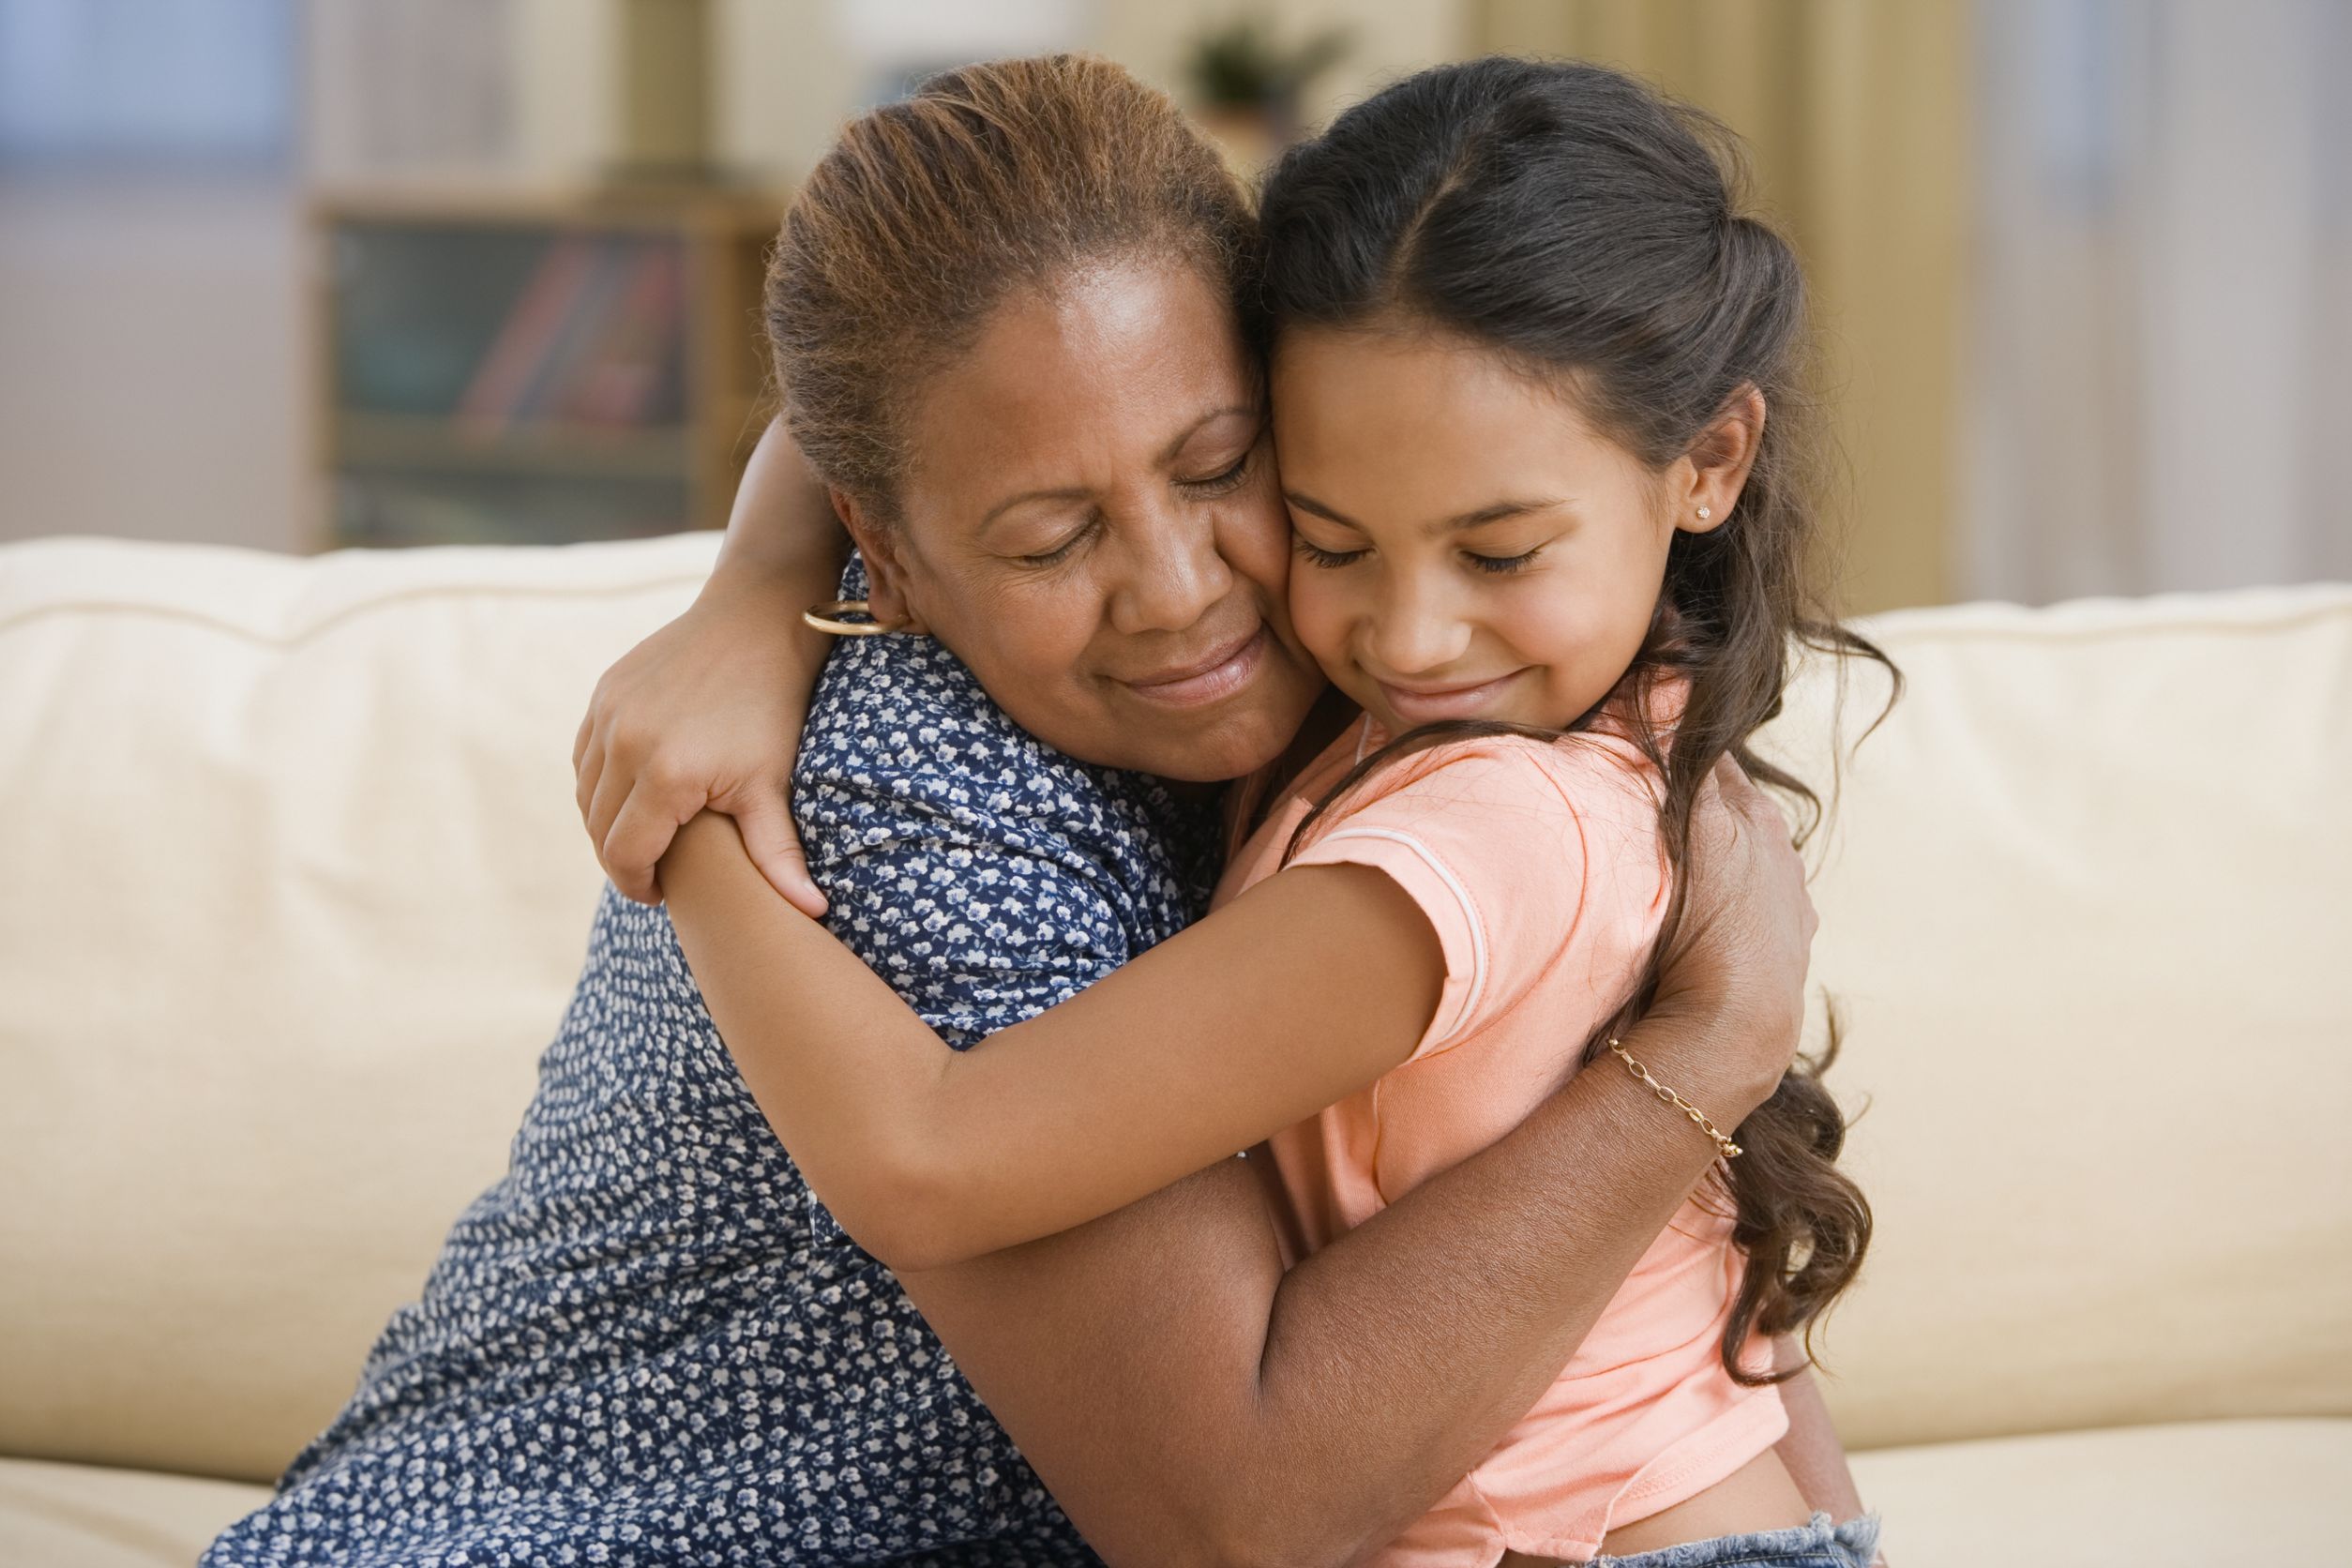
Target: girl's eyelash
(1220, 484)
(1502, 565)
(1320, 557)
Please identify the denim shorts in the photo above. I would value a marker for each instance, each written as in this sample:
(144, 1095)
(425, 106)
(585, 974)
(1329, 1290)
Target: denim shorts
(1818, 1545)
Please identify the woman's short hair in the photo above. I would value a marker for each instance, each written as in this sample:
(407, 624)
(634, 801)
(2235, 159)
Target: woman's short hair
(928, 213)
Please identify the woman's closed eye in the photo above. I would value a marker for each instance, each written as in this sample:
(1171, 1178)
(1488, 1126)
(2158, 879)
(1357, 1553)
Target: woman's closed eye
(1061, 552)
(1223, 482)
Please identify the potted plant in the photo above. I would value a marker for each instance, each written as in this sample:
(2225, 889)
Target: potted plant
(1247, 86)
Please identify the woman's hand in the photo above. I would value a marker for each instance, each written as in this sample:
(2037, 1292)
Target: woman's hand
(706, 714)
(1739, 956)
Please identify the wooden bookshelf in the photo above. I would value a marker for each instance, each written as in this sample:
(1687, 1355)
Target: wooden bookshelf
(535, 366)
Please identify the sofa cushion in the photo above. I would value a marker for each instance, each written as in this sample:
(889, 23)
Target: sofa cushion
(2155, 1497)
(2085, 913)
(300, 896)
(2179, 1496)
(91, 1516)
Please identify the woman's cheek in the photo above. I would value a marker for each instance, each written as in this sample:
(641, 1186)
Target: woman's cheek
(1046, 634)
(1254, 537)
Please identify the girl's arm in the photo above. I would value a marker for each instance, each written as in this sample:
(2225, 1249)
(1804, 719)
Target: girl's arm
(1188, 1402)
(1301, 991)
(706, 712)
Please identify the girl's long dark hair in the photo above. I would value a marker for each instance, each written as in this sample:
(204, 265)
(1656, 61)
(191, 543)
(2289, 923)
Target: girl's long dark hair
(1592, 231)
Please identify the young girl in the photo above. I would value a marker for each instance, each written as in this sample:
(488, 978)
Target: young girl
(1535, 391)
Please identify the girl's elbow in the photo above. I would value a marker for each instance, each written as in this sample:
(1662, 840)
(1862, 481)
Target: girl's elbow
(910, 1218)
(912, 1246)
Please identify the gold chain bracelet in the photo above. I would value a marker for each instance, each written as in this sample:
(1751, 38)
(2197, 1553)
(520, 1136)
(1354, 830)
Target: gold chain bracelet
(1723, 1146)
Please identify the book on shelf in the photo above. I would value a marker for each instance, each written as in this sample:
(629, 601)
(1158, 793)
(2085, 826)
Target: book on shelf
(591, 340)
(629, 373)
(538, 316)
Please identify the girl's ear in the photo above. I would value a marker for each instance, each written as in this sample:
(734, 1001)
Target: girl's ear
(883, 547)
(1719, 461)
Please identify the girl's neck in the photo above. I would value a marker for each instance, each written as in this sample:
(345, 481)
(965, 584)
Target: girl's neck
(1251, 797)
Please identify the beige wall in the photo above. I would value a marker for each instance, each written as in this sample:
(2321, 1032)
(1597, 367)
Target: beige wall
(784, 78)
(148, 357)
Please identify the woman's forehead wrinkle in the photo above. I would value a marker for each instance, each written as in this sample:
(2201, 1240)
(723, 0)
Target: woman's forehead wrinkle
(1169, 453)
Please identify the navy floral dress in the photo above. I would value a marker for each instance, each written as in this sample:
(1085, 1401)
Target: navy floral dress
(649, 1343)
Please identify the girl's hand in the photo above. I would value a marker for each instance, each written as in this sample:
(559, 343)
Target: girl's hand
(704, 713)
(1740, 957)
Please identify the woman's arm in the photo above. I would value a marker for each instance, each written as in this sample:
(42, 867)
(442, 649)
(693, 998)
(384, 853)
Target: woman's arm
(1814, 1458)
(1301, 991)
(1189, 1403)
(706, 712)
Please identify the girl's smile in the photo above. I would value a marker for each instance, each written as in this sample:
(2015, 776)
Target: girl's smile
(1429, 704)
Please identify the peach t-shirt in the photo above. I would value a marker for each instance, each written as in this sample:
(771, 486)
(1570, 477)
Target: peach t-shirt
(1539, 865)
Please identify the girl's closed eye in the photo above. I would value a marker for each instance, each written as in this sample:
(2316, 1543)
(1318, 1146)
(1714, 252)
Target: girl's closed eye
(1316, 554)
(1501, 566)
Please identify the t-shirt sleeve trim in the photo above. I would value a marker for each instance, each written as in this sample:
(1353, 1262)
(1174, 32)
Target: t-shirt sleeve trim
(1474, 929)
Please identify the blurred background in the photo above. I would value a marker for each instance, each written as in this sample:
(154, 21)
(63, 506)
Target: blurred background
(302, 274)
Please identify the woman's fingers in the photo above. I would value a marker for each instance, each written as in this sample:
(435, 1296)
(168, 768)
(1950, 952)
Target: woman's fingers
(765, 822)
(634, 803)
(587, 771)
(1748, 922)
(632, 845)
(1741, 793)
(614, 790)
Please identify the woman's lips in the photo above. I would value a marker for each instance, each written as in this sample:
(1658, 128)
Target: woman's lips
(1209, 680)
(1432, 705)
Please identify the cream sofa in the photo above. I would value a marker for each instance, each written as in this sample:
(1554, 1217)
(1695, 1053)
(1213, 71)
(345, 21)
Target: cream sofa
(297, 892)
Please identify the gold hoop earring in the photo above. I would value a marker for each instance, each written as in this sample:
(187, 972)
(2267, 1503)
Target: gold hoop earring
(826, 617)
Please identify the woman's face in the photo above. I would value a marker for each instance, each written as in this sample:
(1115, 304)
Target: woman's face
(1470, 547)
(1092, 523)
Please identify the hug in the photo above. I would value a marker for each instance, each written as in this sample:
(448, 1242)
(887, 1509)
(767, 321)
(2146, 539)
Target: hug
(1268, 680)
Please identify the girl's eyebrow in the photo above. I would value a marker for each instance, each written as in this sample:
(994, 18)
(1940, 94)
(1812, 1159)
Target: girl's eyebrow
(1493, 512)
(1305, 503)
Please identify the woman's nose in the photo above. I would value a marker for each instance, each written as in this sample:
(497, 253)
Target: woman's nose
(1173, 573)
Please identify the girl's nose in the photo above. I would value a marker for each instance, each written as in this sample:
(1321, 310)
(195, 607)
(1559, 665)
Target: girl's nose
(1172, 573)
(1416, 632)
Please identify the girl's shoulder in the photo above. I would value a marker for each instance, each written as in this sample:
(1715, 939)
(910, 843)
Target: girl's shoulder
(1523, 851)
(1510, 779)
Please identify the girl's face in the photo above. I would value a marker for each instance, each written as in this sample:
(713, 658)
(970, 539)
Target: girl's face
(1093, 526)
(1468, 546)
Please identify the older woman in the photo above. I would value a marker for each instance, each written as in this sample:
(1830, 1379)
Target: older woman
(1004, 318)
